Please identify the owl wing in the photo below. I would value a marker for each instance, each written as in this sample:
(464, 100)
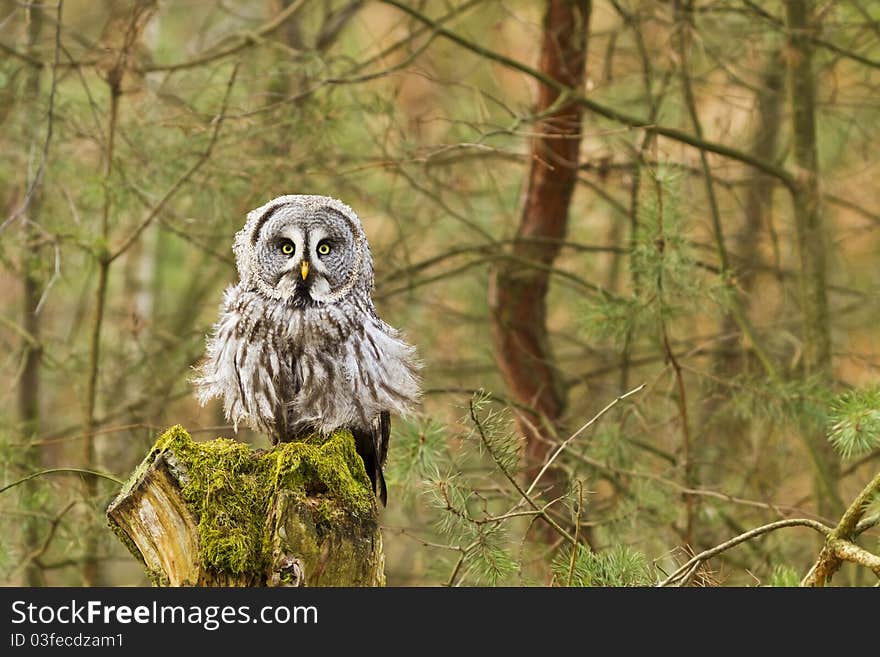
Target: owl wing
(243, 368)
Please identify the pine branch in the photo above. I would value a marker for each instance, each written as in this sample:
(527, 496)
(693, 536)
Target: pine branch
(513, 482)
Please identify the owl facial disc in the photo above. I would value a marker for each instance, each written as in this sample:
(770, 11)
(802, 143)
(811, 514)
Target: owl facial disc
(309, 249)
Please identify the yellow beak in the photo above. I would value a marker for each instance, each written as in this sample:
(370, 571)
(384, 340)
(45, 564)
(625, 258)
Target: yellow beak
(305, 269)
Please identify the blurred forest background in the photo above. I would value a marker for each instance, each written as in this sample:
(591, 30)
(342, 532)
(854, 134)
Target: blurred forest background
(568, 202)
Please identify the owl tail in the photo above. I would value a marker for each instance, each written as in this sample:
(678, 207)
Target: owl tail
(367, 447)
(383, 491)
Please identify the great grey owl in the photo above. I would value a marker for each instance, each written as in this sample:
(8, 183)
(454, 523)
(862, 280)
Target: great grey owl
(299, 347)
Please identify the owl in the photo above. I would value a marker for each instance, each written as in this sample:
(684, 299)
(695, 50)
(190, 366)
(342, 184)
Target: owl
(298, 347)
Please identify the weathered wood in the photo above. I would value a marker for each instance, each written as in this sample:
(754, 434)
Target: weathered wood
(220, 514)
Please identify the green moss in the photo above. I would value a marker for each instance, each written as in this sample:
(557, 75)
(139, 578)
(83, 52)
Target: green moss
(231, 487)
(157, 578)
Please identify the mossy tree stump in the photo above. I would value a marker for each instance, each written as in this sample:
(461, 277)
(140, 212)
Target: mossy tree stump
(220, 514)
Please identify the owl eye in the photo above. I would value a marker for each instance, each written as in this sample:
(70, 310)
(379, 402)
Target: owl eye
(287, 247)
(323, 247)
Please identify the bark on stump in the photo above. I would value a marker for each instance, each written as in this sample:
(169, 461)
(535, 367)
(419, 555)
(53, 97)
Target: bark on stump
(217, 513)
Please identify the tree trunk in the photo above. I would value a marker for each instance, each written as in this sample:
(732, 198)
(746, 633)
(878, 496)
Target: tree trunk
(811, 240)
(29, 395)
(518, 286)
(759, 195)
(733, 357)
(120, 44)
(758, 205)
(29, 385)
(219, 514)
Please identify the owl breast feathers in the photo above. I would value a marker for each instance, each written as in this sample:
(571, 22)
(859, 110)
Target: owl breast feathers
(298, 347)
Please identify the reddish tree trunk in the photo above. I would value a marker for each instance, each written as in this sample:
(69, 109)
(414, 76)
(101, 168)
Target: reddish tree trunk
(518, 286)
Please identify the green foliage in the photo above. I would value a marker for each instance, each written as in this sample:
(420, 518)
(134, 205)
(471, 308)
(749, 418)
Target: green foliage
(616, 566)
(792, 401)
(418, 450)
(489, 561)
(492, 432)
(662, 257)
(854, 422)
(609, 445)
(615, 318)
(668, 282)
(466, 490)
(6, 550)
(451, 495)
(784, 576)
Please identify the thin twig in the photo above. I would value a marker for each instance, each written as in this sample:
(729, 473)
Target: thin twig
(513, 482)
(451, 581)
(50, 113)
(747, 536)
(685, 490)
(36, 554)
(610, 113)
(180, 182)
(245, 40)
(92, 473)
(568, 440)
(577, 527)
(736, 310)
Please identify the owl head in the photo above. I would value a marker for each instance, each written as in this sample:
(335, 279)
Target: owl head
(304, 248)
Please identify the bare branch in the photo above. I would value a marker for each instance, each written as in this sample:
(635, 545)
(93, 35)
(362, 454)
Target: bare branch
(586, 426)
(682, 572)
(609, 113)
(243, 41)
(82, 471)
(180, 182)
(50, 113)
(840, 546)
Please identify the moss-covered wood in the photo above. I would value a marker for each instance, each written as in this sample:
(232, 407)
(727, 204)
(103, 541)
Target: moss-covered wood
(217, 513)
